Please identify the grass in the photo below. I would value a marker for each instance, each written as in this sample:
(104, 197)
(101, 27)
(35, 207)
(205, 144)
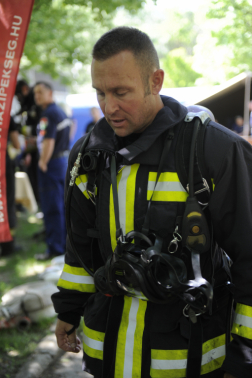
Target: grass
(17, 345)
(17, 269)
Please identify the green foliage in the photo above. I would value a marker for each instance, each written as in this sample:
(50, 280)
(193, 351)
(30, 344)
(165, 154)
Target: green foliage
(237, 31)
(178, 70)
(185, 36)
(62, 32)
(177, 64)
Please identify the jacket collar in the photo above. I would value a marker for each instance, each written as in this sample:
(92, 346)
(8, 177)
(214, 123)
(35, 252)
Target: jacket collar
(103, 137)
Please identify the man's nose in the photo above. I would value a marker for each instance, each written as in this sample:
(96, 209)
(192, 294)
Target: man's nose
(111, 105)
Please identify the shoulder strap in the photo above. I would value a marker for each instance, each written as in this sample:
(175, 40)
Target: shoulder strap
(202, 180)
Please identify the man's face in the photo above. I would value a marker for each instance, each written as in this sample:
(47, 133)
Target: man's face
(42, 95)
(121, 94)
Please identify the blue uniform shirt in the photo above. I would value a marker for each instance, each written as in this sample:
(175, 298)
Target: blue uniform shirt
(54, 124)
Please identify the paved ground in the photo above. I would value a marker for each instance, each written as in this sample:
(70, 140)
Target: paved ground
(67, 366)
(48, 361)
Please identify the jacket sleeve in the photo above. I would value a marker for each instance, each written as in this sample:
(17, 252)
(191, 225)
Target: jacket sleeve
(230, 163)
(75, 284)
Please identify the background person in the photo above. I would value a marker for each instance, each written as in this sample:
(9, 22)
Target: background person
(237, 126)
(53, 146)
(30, 113)
(96, 115)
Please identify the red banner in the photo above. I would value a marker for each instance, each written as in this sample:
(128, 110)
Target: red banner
(14, 20)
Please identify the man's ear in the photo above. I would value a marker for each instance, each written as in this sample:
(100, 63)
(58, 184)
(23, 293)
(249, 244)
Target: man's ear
(157, 79)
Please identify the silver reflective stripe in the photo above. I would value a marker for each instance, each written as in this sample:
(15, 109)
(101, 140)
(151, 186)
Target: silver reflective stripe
(122, 187)
(94, 344)
(166, 186)
(243, 320)
(63, 124)
(181, 364)
(82, 186)
(168, 364)
(77, 279)
(213, 354)
(129, 346)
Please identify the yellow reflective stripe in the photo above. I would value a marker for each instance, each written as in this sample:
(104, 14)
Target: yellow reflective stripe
(126, 184)
(73, 278)
(81, 182)
(138, 340)
(169, 354)
(168, 188)
(130, 198)
(92, 352)
(242, 324)
(93, 342)
(75, 270)
(92, 334)
(243, 310)
(213, 184)
(167, 196)
(112, 222)
(121, 341)
(129, 344)
(173, 363)
(165, 176)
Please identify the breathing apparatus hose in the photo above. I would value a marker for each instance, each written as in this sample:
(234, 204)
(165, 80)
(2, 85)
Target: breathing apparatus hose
(68, 205)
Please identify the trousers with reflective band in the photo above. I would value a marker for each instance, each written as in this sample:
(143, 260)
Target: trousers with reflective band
(73, 278)
(93, 342)
(129, 342)
(172, 363)
(242, 324)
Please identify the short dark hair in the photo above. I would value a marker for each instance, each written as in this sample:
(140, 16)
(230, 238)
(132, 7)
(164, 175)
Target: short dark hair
(20, 84)
(47, 85)
(126, 38)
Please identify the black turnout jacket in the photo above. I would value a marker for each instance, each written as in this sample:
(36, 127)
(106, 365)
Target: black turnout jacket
(130, 337)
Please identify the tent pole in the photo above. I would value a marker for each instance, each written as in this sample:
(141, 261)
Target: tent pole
(246, 127)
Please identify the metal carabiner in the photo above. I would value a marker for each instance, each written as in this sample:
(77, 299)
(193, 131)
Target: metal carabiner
(173, 246)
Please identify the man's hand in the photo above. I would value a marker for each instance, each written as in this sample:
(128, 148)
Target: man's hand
(42, 165)
(227, 375)
(67, 343)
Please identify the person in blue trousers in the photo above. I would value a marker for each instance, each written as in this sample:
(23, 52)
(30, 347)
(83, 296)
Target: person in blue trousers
(53, 145)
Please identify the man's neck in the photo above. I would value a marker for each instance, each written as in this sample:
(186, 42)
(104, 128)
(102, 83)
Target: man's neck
(46, 105)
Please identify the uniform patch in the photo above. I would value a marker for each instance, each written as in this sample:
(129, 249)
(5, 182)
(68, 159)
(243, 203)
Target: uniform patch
(43, 123)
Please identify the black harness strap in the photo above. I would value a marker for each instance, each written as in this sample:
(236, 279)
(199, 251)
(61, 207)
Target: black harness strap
(202, 181)
(119, 232)
(166, 149)
(111, 334)
(195, 347)
(146, 225)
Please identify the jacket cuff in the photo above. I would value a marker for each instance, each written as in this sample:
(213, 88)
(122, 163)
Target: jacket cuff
(70, 317)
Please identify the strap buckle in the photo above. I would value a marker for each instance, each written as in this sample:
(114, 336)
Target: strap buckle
(91, 196)
(121, 239)
(186, 312)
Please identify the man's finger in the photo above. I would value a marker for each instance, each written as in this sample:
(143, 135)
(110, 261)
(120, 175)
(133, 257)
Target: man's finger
(68, 343)
(74, 342)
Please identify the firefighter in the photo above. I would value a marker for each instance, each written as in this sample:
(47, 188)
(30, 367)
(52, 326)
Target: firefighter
(127, 192)
(53, 146)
